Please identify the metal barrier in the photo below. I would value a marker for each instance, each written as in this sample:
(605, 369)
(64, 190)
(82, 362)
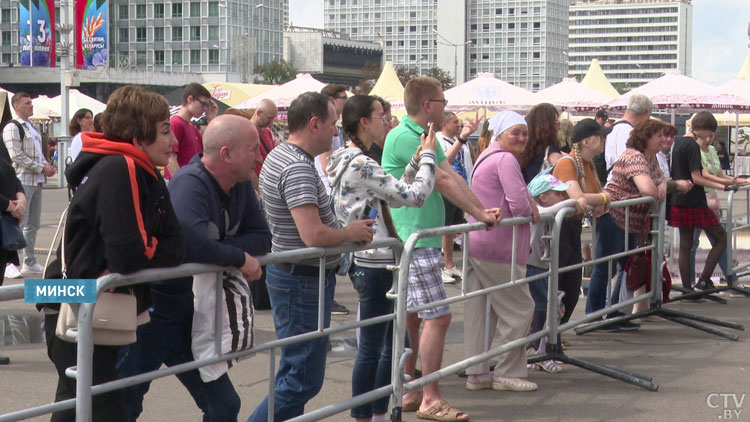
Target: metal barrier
(733, 226)
(82, 372)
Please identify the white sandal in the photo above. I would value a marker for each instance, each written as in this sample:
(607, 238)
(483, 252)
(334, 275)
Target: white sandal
(512, 384)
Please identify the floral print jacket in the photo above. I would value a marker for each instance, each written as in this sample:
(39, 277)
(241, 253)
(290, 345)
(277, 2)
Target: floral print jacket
(358, 181)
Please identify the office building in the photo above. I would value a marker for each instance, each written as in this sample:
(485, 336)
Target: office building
(521, 41)
(635, 40)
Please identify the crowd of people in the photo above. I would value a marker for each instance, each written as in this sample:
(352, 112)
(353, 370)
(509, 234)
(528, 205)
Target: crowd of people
(232, 192)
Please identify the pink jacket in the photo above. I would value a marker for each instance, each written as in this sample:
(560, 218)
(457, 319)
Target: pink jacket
(498, 183)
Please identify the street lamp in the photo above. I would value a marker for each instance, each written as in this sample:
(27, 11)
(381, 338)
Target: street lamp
(455, 52)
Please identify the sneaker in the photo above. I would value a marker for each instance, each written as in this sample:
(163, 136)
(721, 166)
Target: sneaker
(447, 277)
(611, 328)
(628, 326)
(11, 271)
(704, 284)
(339, 309)
(32, 269)
(455, 272)
(512, 384)
(4, 360)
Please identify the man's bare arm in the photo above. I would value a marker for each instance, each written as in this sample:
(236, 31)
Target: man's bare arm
(316, 234)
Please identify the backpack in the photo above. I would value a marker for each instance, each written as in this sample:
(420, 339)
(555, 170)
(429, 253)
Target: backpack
(3, 149)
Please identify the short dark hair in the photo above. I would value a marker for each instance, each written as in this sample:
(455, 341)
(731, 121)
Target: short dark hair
(386, 105)
(417, 91)
(133, 112)
(195, 90)
(74, 127)
(642, 132)
(705, 120)
(305, 107)
(602, 114)
(670, 130)
(17, 97)
(332, 90)
(98, 122)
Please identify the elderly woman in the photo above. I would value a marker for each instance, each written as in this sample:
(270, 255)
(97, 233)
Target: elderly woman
(120, 220)
(578, 170)
(361, 189)
(635, 174)
(498, 183)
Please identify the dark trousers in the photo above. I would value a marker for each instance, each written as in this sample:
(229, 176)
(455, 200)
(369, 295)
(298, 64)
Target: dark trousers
(168, 342)
(570, 254)
(107, 407)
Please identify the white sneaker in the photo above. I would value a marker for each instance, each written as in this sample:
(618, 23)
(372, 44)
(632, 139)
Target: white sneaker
(455, 272)
(33, 269)
(11, 271)
(447, 277)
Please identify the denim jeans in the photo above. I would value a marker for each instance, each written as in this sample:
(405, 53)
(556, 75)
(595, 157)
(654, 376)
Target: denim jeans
(30, 223)
(538, 288)
(723, 261)
(372, 366)
(294, 300)
(610, 240)
(168, 342)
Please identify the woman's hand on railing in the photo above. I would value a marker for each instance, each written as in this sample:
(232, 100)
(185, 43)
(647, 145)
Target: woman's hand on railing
(580, 205)
(661, 191)
(251, 269)
(684, 186)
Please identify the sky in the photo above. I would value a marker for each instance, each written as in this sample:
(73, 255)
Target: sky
(720, 39)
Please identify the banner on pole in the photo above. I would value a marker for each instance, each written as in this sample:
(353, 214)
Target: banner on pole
(91, 17)
(37, 32)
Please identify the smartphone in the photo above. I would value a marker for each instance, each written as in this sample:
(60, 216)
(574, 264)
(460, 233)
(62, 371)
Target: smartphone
(369, 212)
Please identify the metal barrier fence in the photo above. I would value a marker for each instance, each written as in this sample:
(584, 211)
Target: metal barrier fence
(733, 225)
(82, 372)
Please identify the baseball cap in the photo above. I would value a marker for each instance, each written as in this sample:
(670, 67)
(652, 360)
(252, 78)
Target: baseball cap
(602, 114)
(586, 128)
(545, 182)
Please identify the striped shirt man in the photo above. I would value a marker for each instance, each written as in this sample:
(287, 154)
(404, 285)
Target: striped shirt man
(288, 179)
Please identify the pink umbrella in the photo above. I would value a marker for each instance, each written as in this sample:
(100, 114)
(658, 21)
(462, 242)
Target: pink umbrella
(737, 86)
(570, 94)
(487, 91)
(284, 94)
(676, 91)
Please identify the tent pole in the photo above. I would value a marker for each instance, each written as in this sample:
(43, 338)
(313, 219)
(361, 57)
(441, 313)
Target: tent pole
(736, 135)
(673, 117)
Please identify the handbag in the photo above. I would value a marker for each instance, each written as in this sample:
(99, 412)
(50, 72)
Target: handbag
(236, 325)
(115, 319)
(712, 198)
(11, 232)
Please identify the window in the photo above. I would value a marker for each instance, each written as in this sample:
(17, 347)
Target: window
(537, 26)
(213, 8)
(159, 34)
(159, 57)
(498, 11)
(195, 9)
(140, 11)
(159, 11)
(485, 27)
(124, 59)
(176, 33)
(140, 34)
(535, 55)
(176, 57)
(123, 36)
(140, 58)
(195, 33)
(176, 10)
(122, 11)
(213, 32)
(6, 37)
(213, 56)
(511, 25)
(195, 57)
(511, 11)
(6, 58)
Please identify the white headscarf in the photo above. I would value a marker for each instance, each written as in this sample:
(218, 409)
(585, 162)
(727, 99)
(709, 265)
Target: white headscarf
(504, 121)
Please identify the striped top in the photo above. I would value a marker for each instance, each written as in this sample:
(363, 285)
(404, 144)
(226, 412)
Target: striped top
(288, 179)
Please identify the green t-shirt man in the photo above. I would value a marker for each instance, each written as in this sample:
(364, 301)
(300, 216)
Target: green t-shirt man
(400, 145)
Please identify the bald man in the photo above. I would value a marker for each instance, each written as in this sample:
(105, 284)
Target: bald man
(262, 118)
(224, 225)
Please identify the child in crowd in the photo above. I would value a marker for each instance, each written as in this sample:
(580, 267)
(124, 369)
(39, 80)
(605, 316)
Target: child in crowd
(548, 192)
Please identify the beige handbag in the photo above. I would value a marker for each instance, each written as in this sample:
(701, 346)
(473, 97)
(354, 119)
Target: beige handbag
(114, 322)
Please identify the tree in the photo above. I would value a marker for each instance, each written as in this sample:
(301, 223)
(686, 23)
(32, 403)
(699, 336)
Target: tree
(274, 73)
(405, 74)
(444, 77)
(371, 70)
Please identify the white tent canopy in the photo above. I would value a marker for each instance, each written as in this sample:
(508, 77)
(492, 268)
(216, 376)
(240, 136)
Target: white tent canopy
(52, 107)
(488, 91)
(571, 94)
(284, 94)
(679, 92)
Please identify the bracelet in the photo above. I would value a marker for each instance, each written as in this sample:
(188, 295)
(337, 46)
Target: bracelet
(462, 140)
(604, 195)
